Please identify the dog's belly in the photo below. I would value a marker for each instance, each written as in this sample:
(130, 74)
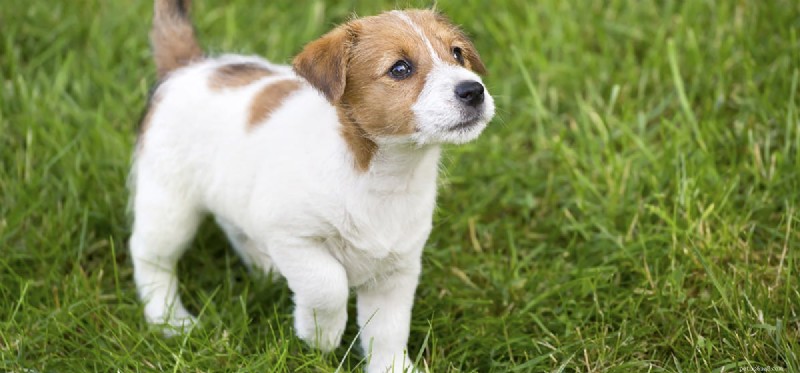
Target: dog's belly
(362, 266)
(253, 255)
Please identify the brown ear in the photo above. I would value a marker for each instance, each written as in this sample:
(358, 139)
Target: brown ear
(474, 59)
(323, 62)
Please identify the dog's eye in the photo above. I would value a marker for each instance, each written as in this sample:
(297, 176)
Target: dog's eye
(458, 55)
(400, 70)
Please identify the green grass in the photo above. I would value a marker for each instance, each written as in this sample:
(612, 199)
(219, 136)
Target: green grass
(634, 206)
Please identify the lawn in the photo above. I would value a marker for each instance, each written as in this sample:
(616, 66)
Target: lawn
(633, 207)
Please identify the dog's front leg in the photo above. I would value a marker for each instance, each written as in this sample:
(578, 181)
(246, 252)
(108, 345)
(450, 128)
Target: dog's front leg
(384, 315)
(320, 287)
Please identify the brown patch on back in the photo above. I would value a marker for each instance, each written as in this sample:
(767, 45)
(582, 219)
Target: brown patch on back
(268, 99)
(237, 75)
(173, 37)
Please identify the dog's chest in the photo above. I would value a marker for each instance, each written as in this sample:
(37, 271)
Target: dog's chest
(376, 238)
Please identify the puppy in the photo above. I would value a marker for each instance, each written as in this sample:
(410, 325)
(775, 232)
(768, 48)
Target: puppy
(323, 172)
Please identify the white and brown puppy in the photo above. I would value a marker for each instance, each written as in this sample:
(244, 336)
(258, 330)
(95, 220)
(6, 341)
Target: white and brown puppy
(324, 172)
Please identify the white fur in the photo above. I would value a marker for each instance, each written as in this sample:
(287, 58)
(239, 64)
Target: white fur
(438, 111)
(288, 196)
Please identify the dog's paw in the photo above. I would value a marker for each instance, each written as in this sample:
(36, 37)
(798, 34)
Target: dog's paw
(321, 331)
(392, 368)
(178, 327)
(173, 323)
(397, 363)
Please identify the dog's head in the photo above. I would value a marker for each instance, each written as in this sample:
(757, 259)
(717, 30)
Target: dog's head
(402, 75)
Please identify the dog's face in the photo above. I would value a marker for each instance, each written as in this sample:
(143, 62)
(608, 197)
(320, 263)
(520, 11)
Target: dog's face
(401, 75)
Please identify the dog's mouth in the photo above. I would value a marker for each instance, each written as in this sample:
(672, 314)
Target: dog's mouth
(463, 126)
(470, 117)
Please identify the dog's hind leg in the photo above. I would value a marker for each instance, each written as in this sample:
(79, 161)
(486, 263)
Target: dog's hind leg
(164, 223)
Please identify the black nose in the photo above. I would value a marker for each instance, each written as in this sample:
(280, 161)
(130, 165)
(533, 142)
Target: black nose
(470, 92)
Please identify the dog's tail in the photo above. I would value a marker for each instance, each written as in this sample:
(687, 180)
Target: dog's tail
(173, 37)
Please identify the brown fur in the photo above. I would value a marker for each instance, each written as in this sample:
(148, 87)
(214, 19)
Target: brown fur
(173, 37)
(269, 98)
(323, 62)
(350, 64)
(444, 36)
(237, 75)
(359, 142)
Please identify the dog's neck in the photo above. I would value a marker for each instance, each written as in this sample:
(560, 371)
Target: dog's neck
(389, 166)
(403, 167)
